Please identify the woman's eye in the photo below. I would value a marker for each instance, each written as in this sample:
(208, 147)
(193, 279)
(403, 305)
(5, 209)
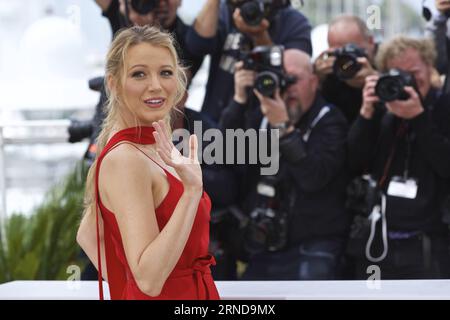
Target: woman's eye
(138, 74)
(166, 73)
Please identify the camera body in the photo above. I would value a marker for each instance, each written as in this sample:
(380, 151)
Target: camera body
(346, 65)
(390, 85)
(267, 226)
(267, 61)
(144, 7)
(79, 130)
(254, 11)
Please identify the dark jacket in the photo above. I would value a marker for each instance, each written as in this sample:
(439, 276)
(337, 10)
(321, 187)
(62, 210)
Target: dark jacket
(372, 142)
(313, 176)
(220, 181)
(290, 29)
(346, 98)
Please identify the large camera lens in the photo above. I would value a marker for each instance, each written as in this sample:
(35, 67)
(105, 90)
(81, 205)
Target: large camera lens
(252, 12)
(78, 130)
(267, 83)
(390, 86)
(346, 66)
(389, 89)
(143, 7)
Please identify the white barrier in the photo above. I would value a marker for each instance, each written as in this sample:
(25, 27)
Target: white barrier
(250, 290)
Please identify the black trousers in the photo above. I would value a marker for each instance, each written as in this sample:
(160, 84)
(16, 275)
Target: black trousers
(313, 259)
(420, 257)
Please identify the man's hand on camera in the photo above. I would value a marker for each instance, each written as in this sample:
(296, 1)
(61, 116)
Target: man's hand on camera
(259, 34)
(443, 6)
(369, 97)
(406, 109)
(323, 66)
(242, 80)
(274, 109)
(359, 80)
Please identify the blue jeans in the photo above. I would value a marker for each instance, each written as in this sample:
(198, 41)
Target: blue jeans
(313, 259)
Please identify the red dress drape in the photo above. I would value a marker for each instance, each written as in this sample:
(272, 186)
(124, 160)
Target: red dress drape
(191, 277)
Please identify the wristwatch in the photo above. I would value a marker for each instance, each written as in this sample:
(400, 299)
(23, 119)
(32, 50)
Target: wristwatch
(282, 126)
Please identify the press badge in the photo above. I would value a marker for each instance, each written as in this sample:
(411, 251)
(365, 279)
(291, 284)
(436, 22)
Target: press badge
(403, 188)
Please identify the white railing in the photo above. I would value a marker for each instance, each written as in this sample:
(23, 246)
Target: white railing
(5, 140)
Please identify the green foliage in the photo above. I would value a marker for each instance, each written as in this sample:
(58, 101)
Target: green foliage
(43, 246)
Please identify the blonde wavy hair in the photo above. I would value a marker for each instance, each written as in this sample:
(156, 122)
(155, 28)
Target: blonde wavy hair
(115, 69)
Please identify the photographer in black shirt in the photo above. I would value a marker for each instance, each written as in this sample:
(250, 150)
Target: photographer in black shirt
(342, 83)
(402, 139)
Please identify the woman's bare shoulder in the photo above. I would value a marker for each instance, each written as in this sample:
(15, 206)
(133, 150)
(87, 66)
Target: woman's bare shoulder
(126, 161)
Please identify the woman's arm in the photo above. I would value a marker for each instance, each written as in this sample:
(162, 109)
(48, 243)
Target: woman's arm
(128, 186)
(87, 239)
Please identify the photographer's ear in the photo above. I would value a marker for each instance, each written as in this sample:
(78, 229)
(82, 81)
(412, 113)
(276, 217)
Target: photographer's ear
(370, 48)
(314, 80)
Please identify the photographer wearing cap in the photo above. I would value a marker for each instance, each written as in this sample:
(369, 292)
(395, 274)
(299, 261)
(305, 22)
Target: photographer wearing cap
(342, 68)
(439, 30)
(402, 139)
(295, 222)
(223, 28)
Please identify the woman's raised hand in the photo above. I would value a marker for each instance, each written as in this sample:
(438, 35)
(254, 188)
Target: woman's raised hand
(187, 168)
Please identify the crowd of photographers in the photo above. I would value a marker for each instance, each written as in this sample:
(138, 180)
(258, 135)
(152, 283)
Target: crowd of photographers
(363, 136)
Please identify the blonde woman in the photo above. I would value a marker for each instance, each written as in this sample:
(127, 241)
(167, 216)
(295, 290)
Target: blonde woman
(144, 198)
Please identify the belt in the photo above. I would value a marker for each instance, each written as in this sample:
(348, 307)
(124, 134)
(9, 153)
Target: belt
(199, 268)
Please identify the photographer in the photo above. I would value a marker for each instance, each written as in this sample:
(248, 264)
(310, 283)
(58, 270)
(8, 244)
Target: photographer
(342, 68)
(223, 28)
(438, 29)
(405, 147)
(296, 222)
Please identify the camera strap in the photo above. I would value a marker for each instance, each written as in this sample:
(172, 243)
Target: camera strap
(401, 131)
(377, 213)
(322, 113)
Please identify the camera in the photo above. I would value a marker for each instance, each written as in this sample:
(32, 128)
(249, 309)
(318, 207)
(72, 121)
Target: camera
(254, 11)
(79, 130)
(267, 227)
(144, 7)
(346, 65)
(362, 194)
(267, 61)
(390, 85)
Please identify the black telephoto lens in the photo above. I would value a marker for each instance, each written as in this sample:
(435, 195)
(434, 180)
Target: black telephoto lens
(390, 86)
(267, 83)
(252, 12)
(346, 67)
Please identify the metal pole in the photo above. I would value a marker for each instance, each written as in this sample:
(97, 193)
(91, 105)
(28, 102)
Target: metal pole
(2, 186)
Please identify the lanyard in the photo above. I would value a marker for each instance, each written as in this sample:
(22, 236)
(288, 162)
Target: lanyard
(401, 131)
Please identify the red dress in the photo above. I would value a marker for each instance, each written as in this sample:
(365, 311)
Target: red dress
(191, 277)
